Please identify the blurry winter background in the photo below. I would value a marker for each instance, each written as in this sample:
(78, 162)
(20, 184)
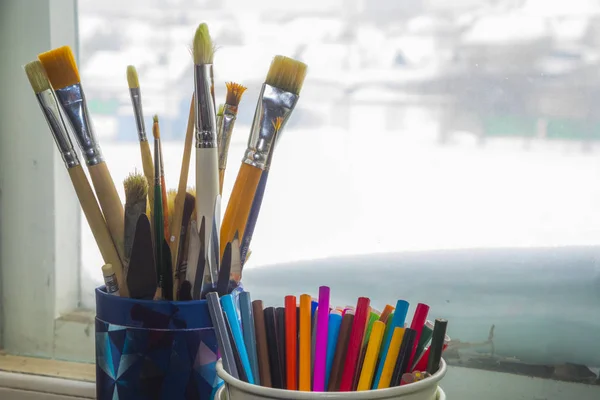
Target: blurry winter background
(427, 124)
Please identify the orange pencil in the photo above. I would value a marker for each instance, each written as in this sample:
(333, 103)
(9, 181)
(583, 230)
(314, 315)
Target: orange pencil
(305, 342)
(291, 343)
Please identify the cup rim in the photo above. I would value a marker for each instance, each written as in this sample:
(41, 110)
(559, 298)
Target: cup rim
(374, 394)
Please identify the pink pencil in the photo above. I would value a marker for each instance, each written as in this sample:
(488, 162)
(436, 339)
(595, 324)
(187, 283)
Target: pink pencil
(320, 362)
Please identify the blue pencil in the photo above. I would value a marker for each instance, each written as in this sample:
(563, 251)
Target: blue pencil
(236, 330)
(335, 320)
(249, 334)
(397, 322)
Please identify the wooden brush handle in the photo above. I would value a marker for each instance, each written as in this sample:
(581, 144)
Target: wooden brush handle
(148, 169)
(240, 203)
(180, 197)
(95, 220)
(111, 205)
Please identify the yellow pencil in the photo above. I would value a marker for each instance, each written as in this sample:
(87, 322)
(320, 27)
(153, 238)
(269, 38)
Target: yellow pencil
(368, 368)
(390, 359)
(305, 342)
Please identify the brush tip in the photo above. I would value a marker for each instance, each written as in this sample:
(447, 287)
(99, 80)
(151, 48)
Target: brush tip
(60, 67)
(234, 93)
(155, 128)
(286, 74)
(136, 187)
(37, 76)
(132, 77)
(203, 48)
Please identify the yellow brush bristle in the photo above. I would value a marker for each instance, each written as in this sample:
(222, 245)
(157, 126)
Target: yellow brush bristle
(60, 67)
(171, 194)
(132, 77)
(155, 127)
(192, 191)
(286, 74)
(136, 187)
(37, 76)
(234, 93)
(220, 110)
(203, 48)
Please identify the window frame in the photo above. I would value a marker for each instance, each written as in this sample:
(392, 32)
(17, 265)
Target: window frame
(40, 233)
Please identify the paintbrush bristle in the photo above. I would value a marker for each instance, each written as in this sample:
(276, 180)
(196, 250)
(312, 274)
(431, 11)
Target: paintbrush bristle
(132, 77)
(155, 127)
(286, 74)
(37, 76)
(220, 110)
(192, 192)
(234, 93)
(203, 48)
(136, 187)
(60, 67)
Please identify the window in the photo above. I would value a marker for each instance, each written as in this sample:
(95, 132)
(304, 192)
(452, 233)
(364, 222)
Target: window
(451, 143)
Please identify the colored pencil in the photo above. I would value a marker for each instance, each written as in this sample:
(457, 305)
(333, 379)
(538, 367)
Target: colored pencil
(403, 356)
(370, 361)
(437, 345)
(216, 315)
(280, 327)
(390, 359)
(355, 343)
(341, 349)
(231, 313)
(249, 333)
(417, 324)
(304, 340)
(274, 360)
(291, 343)
(335, 320)
(397, 321)
(320, 362)
(262, 347)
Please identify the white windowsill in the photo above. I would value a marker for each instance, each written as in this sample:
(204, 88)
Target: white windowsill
(459, 384)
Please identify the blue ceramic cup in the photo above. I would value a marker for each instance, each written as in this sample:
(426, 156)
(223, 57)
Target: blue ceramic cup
(154, 349)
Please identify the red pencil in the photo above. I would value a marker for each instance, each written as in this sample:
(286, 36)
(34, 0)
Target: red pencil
(355, 343)
(417, 324)
(291, 343)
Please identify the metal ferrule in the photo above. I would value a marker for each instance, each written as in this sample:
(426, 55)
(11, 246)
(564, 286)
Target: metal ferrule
(73, 102)
(272, 103)
(51, 110)
(136, 100)
(219, 131)
(204, 108)
(229, 116)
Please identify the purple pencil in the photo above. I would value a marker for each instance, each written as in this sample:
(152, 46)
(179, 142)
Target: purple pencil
(320, 362)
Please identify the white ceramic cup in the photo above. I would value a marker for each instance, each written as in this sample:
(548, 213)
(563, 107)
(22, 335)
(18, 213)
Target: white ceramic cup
(426, 389)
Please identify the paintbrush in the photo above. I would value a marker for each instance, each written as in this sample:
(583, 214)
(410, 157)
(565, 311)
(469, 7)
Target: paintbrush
(258, 196)
(178, 228)
(207, 166)
(136, 192)
(219, 121)
(136, 101)
(230, 110)
(278, 98)
(51, 110)
(63, 75)
(236, 260)
(141, 274)
(158, 213)
(163, 187)
(181, 262)
(198, 280)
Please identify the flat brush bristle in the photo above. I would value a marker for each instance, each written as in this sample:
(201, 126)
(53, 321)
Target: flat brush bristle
(155, 127)
(60, 67)
(286, 74)
(37, 76)
(234, 93)
(136, 187)
(203, 48)
(132, 77)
